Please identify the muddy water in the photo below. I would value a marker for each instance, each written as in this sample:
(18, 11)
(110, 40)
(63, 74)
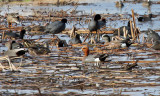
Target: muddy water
(57, 74)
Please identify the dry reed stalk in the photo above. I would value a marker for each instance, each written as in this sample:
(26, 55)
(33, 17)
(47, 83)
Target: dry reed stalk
(143, 39)
(146, 84)
(86, 37)
(119, 32)
(137, 35)
(72, 32)
(134, 22)
(124, 32)
(124, 77)
(3, 36)
(13, 28)
(131, 27)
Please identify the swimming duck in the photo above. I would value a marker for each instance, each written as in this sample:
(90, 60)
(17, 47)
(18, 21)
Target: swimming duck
(97, 58)
(106, 38)
(147, 3)
(11, 18)
(145, 18)
(36, 29)
(15, 35)
(75, 40)
(36, 49)
(61, 43)
(152, 36)
(127, 28)
(56, 27)
(14, 50)
(156, 45)
(119, 3)
(56, 41)
(116, 44)
(13, 45)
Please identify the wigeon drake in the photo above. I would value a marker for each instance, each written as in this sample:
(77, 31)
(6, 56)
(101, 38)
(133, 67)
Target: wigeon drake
(97, 58)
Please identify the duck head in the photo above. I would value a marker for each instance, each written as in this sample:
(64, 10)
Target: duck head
(106, 38)
(97, 17)
(20, 52)
(85, 50)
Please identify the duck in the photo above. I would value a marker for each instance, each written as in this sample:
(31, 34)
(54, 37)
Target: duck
(15, 35)
(119, 3)
(156, 45)
(14, 50)
(127, 28)
(12, 18)
(56, 41)
(36, 49)
(152, 36)
(147, 3)
(106, 38)
(36, 29)
(61, 43)
(75, 40)
(97, 58)
(145, 18)
(116, 44)
(13, 45)
(56, 27)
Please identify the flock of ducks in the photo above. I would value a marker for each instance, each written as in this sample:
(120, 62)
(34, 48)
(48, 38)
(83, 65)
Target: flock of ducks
(16, 49)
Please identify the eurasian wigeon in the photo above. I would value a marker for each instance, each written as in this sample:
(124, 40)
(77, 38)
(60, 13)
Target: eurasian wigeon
(97, 58)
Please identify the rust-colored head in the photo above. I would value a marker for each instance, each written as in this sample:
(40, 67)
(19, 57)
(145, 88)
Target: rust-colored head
(85, 50)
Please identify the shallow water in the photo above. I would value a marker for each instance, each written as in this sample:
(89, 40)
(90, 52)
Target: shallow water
(100, 7)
